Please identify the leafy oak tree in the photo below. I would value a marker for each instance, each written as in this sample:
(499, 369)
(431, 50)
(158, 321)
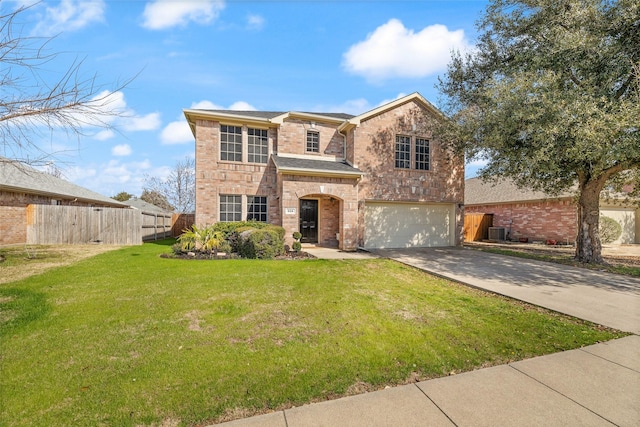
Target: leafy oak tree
(550, 98)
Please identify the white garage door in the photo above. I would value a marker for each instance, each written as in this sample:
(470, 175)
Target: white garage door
(626, 217)
(404, 225)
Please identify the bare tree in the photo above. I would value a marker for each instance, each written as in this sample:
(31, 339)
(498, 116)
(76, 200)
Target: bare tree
(33, 104)
(179, 189)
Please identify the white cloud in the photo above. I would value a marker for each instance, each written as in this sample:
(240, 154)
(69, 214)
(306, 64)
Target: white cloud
(109, 109)
(393, 50)
(69, 15)
(141, 123)
(242, 106)
(121, 150)
(163, 14)
(206, 105)
(255, 22)
(110, 178)
(178, 132)
(104, 135)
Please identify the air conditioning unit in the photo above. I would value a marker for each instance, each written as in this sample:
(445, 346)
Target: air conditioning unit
(496, 233)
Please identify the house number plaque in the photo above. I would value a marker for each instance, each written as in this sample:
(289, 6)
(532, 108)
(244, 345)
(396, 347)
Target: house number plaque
(290, 211)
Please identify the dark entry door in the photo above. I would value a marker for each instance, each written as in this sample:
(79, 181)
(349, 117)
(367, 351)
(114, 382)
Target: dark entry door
(309, 221)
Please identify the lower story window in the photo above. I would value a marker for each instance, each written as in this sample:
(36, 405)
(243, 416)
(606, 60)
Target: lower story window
(230, 208)
(257, 208)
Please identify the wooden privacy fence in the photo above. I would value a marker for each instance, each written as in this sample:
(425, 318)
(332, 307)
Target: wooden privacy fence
(156, 225)
(53, 224)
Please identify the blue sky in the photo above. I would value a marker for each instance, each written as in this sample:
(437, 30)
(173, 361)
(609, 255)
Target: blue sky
(324, 56)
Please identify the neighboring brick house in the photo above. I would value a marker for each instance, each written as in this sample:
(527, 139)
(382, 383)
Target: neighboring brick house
(377, 180)
(21, 185)
(538, 217)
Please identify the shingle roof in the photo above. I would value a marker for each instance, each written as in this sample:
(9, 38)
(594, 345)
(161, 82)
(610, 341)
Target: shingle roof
(478, 192)
(145, 206)
(17, 177)
(311, 166)
(272, 114)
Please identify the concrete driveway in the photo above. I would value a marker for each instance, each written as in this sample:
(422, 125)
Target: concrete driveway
(604, 298)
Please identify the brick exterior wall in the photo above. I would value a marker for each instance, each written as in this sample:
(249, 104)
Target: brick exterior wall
(215, 177)
(343, 191)
(538, 221)
(374, 152)
(292, 138)
(370, 147)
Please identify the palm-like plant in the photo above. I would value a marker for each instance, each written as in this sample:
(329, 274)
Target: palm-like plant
(202, 239)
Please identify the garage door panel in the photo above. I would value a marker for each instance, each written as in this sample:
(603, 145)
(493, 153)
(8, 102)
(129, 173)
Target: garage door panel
(407, 225)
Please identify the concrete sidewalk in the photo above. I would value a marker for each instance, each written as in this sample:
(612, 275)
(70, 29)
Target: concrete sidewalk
(597, 385)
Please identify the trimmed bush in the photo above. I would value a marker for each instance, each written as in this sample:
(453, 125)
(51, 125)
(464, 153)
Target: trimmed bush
(234, 237)
(261, 244)
(229, 227)
(297, 246)
(610, 229)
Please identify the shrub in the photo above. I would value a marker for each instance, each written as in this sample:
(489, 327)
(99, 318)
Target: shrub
(279, 230)
(226, 228)
(610, 229)
(261, 244)
(297, 235)
(297, 246)
(234, 237)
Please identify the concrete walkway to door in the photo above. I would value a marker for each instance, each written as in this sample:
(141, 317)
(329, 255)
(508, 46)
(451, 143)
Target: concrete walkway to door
(607, 299)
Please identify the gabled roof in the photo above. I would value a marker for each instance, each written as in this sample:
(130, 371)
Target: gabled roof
(479, 192)
(414, 97)
(303, 166)
(345, 121)
(19, 178)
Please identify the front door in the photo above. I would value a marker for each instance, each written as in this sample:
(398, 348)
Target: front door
(309, 221)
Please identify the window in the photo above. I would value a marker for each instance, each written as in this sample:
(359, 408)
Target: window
(231, 143)
(258, 146)
(230, 208)
(313, 142)
(403, 152)
(257, 208)
(422, 154)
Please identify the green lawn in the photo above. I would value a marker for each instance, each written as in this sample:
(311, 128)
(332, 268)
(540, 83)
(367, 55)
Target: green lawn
(129, 338)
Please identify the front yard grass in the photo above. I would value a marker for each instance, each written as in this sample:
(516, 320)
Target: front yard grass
(129, 338)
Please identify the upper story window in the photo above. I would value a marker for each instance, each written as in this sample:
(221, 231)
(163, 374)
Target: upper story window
(257, 145)
(231, 143)
(403, 151)
(230, 208)
(257, 208)
(313, 142)
(422, 154)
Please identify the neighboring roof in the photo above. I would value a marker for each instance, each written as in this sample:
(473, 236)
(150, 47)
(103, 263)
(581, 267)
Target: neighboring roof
(19, 178)
(344, 121)
(478, 192)
(304, 166)
(141, 205)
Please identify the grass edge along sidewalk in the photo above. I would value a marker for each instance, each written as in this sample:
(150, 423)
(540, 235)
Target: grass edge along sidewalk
(129, 338)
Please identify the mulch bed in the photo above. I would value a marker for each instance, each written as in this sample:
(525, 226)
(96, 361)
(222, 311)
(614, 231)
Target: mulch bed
(291, 255)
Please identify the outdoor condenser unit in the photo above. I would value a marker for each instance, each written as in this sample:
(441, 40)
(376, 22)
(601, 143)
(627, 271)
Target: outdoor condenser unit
(496, 233)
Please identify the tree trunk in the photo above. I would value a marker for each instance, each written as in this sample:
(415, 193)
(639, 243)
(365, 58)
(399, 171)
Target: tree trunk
(588, 246)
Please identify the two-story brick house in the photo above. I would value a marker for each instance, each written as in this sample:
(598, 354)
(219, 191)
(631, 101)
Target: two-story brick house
(376, 180)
